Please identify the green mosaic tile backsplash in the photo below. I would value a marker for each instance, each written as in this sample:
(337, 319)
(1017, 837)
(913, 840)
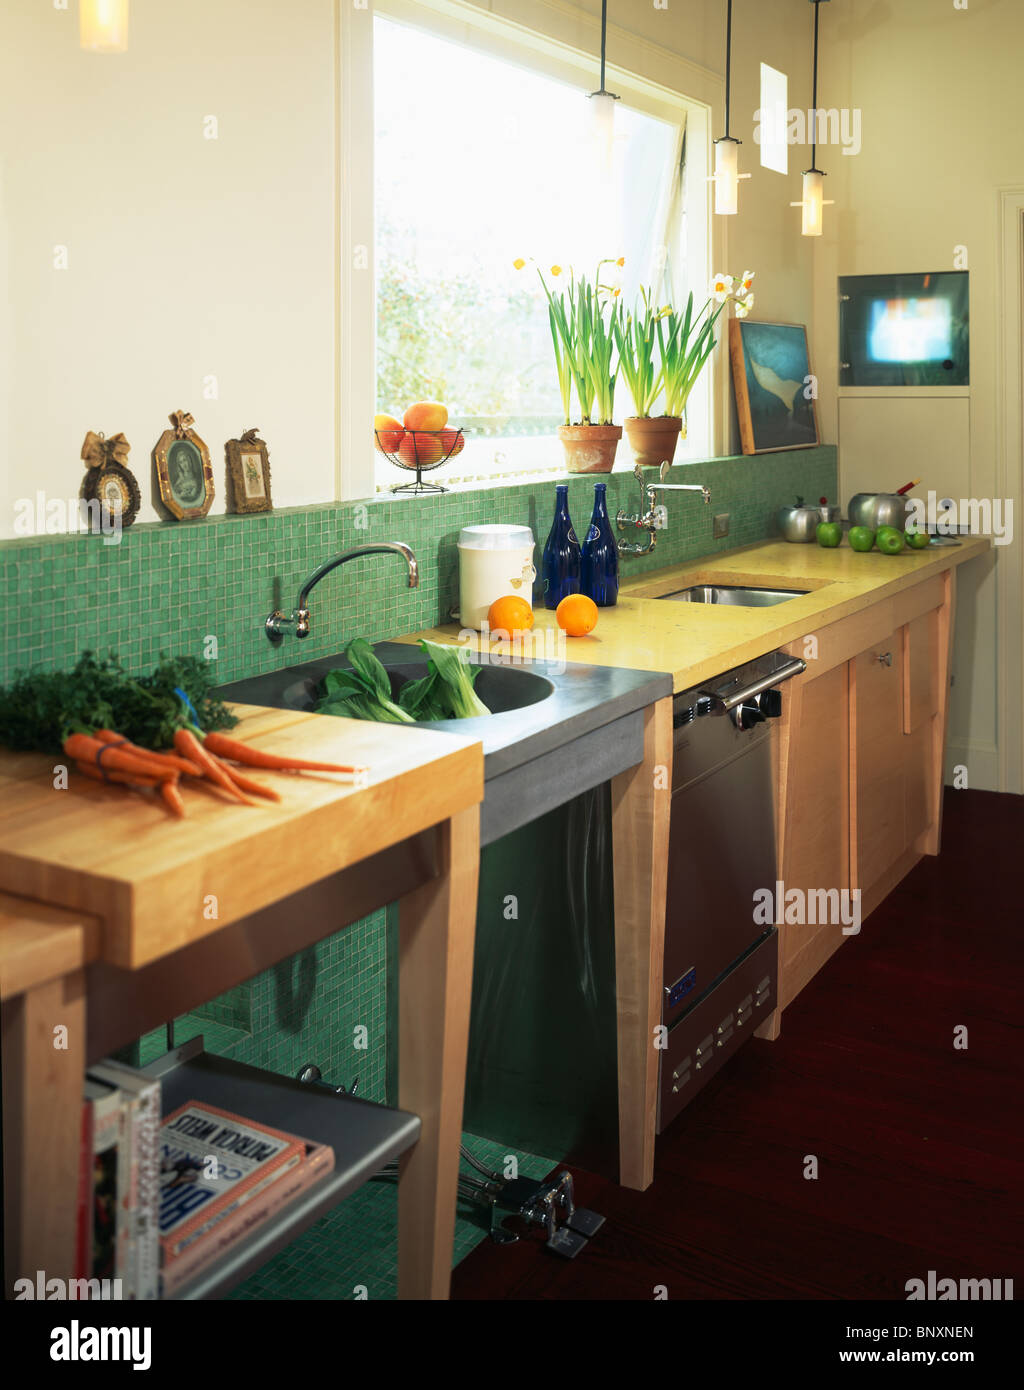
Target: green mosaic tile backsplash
(170, 587)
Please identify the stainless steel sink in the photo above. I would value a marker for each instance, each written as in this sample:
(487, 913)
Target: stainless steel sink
(735, 595)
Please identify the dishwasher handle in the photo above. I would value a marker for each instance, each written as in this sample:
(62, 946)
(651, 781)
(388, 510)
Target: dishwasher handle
(791, 668)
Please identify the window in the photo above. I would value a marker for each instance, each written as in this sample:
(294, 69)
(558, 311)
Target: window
(481, 157)
(772, 120)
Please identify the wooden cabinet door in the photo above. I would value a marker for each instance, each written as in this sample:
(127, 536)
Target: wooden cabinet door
(922, 740)
(878, 829)
(814, 823)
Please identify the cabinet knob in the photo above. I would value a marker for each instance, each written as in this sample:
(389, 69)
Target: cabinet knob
(885, 658)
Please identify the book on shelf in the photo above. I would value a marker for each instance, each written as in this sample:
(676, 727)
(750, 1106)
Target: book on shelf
(108, 1243)
(212, 1162)
(141, 1200)
(245, 1220)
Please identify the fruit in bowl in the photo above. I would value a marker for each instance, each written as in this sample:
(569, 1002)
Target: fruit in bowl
(388, 434)
(426, 415)
(452, 442)
(420, 448)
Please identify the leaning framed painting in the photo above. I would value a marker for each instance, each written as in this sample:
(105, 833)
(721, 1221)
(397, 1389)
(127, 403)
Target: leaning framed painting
(776, 392)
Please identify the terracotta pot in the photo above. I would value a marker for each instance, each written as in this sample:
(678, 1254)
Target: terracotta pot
(653, 440)
(590, 448)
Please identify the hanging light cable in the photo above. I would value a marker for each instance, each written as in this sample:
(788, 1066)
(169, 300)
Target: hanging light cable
(603, 109)
(727, 176)
(813, 199)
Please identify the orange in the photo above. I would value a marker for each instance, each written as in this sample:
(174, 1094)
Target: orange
(510, 613)
(576, 615)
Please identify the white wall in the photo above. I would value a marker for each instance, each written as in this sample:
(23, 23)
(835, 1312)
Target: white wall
(190, 257)
(943, 132)
(187, 257)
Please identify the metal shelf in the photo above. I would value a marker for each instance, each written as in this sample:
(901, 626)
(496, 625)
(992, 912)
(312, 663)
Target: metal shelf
(364, 1137)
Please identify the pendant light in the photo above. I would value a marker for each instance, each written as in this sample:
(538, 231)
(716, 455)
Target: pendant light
(103, 26)
(603, 111)
(727, 150)
(813, 199)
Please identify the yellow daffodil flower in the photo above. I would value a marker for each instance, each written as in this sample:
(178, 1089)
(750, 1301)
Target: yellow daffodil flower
(519, 263)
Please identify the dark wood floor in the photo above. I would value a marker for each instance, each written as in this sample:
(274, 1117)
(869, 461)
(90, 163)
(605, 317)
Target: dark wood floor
(918, 1145)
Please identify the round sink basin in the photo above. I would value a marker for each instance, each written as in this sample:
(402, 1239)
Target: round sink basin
(502, 688)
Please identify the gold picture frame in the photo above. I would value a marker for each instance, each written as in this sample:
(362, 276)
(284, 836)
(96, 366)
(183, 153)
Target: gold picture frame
(248, 474)
(184, 474)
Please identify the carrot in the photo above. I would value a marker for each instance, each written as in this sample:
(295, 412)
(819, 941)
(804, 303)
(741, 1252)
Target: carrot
(90, 750)
(254, 757)
(189, 747)
(128, 779)
(171, 795)
(175, 764)
(248, 784)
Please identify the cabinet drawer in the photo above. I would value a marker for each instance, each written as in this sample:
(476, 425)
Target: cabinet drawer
(709, 1034)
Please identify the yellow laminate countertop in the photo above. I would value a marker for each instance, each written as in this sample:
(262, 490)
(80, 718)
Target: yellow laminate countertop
(696, 641)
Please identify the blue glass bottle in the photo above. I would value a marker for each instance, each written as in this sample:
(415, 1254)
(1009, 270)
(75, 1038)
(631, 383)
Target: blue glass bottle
(560, 565)
(599, 576)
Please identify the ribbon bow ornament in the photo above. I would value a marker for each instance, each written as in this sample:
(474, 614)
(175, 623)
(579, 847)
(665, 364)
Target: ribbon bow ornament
(182, 422)
(100, 452)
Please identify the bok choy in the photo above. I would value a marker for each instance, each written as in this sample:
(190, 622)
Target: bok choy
(363, 690)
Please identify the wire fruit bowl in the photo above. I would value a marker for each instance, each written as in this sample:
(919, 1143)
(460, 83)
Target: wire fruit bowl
(419, 452)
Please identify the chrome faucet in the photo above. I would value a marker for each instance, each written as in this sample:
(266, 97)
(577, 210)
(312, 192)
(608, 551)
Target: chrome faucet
(278, 623)
(651, 520)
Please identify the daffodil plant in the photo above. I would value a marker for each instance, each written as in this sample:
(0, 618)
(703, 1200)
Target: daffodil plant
(634, 336)
(685, 343)
(583, 319)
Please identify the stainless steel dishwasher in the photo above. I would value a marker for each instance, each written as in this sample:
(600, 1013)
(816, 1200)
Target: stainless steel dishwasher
(721, 966)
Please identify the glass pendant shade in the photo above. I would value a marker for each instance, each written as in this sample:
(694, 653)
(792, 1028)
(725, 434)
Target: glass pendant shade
(103, 25)
(727, 175)
(813, 202)
(602, 132)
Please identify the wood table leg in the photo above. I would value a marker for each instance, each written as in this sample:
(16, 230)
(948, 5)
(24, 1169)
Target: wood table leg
(437, 927)
(641, 802)
(43, 1069)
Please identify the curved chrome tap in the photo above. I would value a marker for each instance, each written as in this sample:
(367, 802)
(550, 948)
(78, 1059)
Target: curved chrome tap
(278, 623)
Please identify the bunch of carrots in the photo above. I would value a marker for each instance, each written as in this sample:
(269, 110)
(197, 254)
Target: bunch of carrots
(212, 758)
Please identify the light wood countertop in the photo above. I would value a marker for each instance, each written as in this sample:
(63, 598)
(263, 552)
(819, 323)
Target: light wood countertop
(695, 641)
(158, 884)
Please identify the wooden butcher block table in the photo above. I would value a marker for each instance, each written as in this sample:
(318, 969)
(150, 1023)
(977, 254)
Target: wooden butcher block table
(115, 917)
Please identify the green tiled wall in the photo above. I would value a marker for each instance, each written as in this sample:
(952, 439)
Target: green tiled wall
(168, 588)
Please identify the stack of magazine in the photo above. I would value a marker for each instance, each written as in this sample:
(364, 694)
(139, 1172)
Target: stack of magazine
(162, 1199)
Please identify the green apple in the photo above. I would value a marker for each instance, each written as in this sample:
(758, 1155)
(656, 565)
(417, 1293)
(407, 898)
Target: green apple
(829, 534)
(919, 540)
(889, 540)
(861, 538)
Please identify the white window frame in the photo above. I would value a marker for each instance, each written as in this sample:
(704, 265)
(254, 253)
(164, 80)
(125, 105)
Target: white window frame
(558, 52)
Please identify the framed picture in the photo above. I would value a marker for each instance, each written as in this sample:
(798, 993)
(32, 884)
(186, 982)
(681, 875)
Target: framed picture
(771, 374)
(109, 481)
(248, 474)
(183, 470)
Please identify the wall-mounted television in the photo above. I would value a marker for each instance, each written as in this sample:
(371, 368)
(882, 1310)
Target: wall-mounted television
(904, 330)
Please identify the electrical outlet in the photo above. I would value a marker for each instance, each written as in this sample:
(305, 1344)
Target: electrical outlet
(720, 526)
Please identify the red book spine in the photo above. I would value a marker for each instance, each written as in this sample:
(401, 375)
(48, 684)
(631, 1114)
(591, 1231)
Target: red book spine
(83, 1223)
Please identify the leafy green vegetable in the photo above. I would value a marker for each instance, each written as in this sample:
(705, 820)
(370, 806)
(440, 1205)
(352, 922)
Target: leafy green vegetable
(364, 692)
(452, 667)
(40, 708)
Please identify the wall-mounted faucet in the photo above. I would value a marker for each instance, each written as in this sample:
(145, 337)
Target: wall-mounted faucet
(278, 623)
(652, 519)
